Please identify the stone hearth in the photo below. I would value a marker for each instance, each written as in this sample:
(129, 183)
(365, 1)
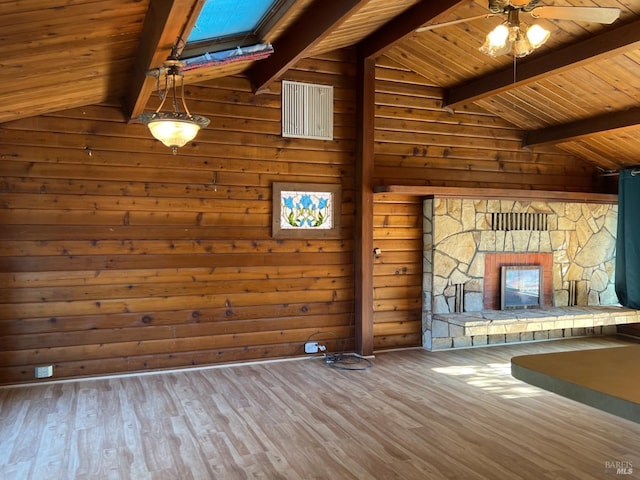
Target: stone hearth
(491, 327)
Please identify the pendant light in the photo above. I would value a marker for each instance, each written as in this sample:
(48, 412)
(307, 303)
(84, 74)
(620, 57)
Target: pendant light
(175, 128)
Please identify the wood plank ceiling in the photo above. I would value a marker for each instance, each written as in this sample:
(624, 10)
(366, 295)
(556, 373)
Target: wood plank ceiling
(580, 91)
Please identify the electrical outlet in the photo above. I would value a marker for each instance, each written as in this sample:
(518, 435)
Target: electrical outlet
(44, 372)
(311, 347)
(314, 347)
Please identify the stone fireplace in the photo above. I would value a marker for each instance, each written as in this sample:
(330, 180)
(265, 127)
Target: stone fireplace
(466, 241)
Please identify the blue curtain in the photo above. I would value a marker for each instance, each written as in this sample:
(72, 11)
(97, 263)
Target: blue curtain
(628, 239)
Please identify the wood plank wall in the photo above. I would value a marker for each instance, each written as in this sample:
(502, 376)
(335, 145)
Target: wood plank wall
(116, 256)
(397, 271)
(419, 143)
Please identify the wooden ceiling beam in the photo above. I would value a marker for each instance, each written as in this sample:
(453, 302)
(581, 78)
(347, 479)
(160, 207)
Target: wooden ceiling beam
(607, 44)
(405, 24)
(166, 22)
(306, 32)
(583, 128)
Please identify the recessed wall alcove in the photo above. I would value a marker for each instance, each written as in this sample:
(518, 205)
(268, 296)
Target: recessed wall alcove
(578, 229)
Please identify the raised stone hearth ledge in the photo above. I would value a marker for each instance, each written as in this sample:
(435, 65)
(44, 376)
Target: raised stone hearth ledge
(494, 327)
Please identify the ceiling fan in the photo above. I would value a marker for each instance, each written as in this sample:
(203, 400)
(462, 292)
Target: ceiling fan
(516, 37)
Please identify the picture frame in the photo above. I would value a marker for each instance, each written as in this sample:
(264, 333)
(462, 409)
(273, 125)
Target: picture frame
(306, 210)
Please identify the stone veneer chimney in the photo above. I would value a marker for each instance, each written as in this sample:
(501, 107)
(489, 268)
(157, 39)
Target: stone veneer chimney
(459, 233)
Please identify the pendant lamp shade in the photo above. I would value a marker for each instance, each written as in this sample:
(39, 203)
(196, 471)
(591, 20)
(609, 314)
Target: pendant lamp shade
(174, 129)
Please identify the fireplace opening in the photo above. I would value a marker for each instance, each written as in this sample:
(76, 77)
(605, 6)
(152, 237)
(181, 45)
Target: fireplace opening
(521, 287)
(493, 276)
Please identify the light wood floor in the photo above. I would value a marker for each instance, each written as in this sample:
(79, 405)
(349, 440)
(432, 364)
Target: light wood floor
(413, 415)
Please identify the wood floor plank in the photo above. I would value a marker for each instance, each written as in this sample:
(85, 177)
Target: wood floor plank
(413, 415)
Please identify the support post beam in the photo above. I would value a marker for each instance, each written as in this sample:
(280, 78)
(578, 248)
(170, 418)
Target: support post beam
(363, 261)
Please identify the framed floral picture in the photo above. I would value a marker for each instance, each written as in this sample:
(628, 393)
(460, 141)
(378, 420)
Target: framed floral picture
(306, 210)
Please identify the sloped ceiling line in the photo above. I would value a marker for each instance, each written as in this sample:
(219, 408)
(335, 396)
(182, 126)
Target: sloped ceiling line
(405, 24)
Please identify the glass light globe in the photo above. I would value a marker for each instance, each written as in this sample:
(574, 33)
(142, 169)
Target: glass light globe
(496, 43)
(537, 35)
(498, 36)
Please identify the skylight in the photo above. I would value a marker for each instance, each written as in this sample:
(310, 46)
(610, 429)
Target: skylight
(224, 18)
(227, 24)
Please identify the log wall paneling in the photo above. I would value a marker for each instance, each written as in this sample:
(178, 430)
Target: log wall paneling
(418, 142)
(117, 256)
(397, 272)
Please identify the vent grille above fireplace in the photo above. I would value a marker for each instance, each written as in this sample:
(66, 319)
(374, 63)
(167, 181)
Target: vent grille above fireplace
(519, 221)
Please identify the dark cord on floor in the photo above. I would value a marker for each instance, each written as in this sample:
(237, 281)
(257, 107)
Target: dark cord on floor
(344, 361)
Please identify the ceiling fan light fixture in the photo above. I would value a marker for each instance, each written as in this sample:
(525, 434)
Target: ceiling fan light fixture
(174, 129)
(514, 37)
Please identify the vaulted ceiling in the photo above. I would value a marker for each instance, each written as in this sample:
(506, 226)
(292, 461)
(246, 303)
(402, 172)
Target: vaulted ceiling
(579, 91)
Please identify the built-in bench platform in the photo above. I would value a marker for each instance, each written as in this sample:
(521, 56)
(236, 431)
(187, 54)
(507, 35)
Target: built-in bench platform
(493, 327)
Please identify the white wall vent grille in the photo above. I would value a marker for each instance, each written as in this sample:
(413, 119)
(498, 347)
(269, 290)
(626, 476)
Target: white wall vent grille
(307, 110)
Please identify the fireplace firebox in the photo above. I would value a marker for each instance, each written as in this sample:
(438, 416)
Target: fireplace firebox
(521, 287)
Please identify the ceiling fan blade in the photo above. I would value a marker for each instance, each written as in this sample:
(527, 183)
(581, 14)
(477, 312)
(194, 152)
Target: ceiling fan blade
(426, 28)
(578, 14)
